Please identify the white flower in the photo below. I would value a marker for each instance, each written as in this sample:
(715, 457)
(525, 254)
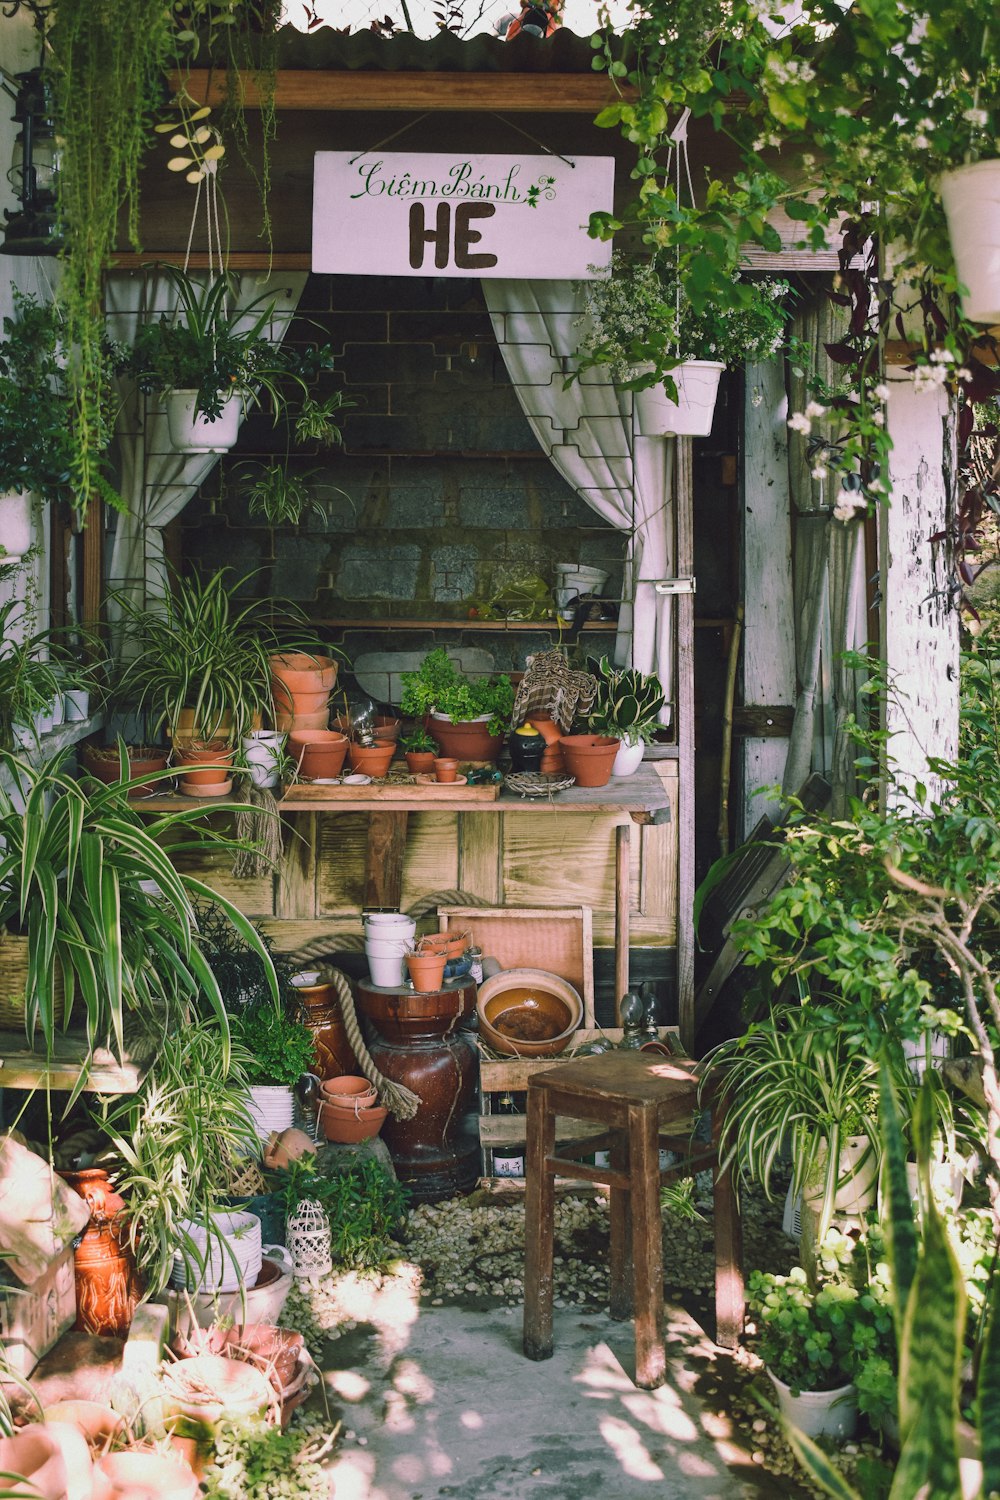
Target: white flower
(921, 143)
(843, 512)
(814, 410)
(799, 422)
(849, 502)
(942, 357)
(881, 393)
(820, 471)
(978, 117)
(757, 396)
(878, 417)
(963, 374)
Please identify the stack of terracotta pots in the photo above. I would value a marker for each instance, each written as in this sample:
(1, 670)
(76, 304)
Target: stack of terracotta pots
(553, 760)
(301, 686)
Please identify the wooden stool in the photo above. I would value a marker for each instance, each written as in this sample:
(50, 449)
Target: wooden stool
(635, 1097)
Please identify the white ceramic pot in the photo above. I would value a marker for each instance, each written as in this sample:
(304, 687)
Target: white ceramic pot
(272, 1107)
(577, 578)
(262, 753)
(228, 1266)
(390, 926)
(45, 719)
(628, 759)
(76, 705)
(691, 415)
(819, 1413)
(971, 198)
(15, 526)
(857, 1177)
(947, 1183)
(932, 1044)
(386, 969)
(192, 432)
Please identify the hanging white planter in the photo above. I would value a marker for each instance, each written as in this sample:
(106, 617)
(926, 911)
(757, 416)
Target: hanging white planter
(15, 526)
(691, 415)
(971, 198)
(192, 432)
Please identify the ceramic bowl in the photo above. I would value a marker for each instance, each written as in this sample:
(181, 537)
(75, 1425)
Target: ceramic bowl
(528, 1013)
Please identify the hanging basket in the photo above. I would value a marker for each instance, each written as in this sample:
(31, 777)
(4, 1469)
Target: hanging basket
(192, 432)
(691, 415)
(971, 198)
(15, 526)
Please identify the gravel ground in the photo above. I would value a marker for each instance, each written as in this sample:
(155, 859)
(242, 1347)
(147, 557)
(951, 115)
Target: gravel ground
(469, 1252)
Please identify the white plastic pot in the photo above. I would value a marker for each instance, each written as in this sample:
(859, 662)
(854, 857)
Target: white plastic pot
(819, 1413)
(857, 1175)
(228, 1266)
(916, 1053)
(628, 759)
(575, 578)
(386, 969)
(262, 754)
(971, 198)
(192, 432)
(76, 704)
(691, 415)
(15, 525)
(390, 926)
(272, 1107)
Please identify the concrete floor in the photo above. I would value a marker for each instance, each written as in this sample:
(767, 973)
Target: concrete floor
(440, 1401)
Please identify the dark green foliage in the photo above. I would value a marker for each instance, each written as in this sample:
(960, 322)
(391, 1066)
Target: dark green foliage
(627, 702)
(364, 1204)
(438, 685)
(279, 1049)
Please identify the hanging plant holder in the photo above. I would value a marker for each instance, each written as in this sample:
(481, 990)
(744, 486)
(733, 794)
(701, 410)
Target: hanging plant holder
(692, 414)
(15, 526)
(192, 432)
(971, 198)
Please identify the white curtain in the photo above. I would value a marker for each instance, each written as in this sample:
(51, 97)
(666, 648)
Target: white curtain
(587, 432)
(155, 481)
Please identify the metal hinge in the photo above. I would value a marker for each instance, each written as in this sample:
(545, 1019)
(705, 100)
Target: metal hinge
(676, 585)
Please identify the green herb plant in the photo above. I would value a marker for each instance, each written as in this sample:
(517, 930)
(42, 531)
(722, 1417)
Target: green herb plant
(257, 1461)
(437, 685)
(364, 1204)
(418, 741)
(36, 446)
(279, 1049)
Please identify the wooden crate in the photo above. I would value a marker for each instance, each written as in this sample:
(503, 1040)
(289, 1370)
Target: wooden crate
(556, 938)
(503, 1134)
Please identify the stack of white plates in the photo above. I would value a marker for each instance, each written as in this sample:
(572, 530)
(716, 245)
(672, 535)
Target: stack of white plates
(233, 1262)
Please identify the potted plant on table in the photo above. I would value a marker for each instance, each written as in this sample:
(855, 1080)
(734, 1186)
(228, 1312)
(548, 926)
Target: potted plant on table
(642, 328)
(280, 1050)
(213, 359)
(627, 707)
(465, 715)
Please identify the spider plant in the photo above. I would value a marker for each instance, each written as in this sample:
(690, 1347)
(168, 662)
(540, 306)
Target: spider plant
(178, 1140)
(28, 679)
(196, 649)
(84, 879)
(281, 498)
(218, 348)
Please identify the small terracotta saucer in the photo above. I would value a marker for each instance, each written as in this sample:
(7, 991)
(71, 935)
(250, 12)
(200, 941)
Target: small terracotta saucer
(427, 779)
(219, 789)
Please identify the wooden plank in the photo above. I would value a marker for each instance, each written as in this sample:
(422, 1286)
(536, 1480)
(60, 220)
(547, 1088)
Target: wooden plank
(510, 1130)
(623, 872)
(511, 1074)
(475, 93)
(340, 873)
(305, 796)
(431, 862)
(296, 894)
(21, 1068)
(684, 563)
(384, 859)
(769, 627)
(559, 939)
(480, 856)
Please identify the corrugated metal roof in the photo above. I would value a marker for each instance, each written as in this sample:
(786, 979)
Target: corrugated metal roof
(327, 50)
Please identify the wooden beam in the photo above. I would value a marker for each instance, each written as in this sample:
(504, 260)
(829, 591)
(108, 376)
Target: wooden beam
(384, 859)
(474, 93)
(684, 564)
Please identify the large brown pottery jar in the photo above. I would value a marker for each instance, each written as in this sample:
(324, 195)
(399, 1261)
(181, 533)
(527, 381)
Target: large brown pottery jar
(416, 1042)
(107, 1284)
(332, 1052)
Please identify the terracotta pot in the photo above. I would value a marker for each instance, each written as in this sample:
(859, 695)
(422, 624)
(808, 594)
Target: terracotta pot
(332, 1052)
(300, 704)
(289, 723)
(445, 770)
(452, 945)
(294, 672)
(35, 1455)
(187, 731)
(420, 762)
(133, 1472)
(553, 759)
(469, 740)
(107, 1283)
(590, 757)
(214, 761)
(372, 760)
(426, 971)
(288, 1146)
(99, 1424)
(387, 727)
(318, 752)
(347, 1128)
(101, 762)
(349, 1090)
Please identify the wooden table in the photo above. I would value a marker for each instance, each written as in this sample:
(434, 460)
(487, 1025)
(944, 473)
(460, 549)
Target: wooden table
(642, 797)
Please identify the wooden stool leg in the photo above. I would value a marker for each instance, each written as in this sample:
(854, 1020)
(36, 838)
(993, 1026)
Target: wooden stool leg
(622, 1303)
(647, 1243)
(729, 1300)
(539, 1215)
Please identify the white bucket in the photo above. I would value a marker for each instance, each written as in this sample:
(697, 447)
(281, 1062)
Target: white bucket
(262, 753)
(819, 1413)
(971, 198)
(387, 970)
(691, 415)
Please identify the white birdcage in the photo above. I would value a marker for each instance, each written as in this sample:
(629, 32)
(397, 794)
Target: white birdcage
(308, 1238)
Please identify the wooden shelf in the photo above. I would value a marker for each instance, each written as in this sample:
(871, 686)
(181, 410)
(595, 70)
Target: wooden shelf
(23, 1068)
(339, 623)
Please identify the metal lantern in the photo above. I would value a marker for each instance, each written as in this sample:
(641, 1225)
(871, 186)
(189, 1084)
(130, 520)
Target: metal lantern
(307, 1235)
(34, 171)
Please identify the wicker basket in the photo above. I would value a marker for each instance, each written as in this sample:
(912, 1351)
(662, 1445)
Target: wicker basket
(14, 981)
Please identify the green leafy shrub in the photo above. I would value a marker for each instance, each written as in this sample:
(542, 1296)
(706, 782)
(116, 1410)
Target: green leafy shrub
(364, 1204)
(438, 685)
(280, 1050)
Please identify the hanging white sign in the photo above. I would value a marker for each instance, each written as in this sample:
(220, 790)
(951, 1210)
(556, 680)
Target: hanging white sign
(433, 214)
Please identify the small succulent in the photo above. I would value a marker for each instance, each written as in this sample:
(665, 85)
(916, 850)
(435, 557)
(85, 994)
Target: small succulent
(627, 702)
